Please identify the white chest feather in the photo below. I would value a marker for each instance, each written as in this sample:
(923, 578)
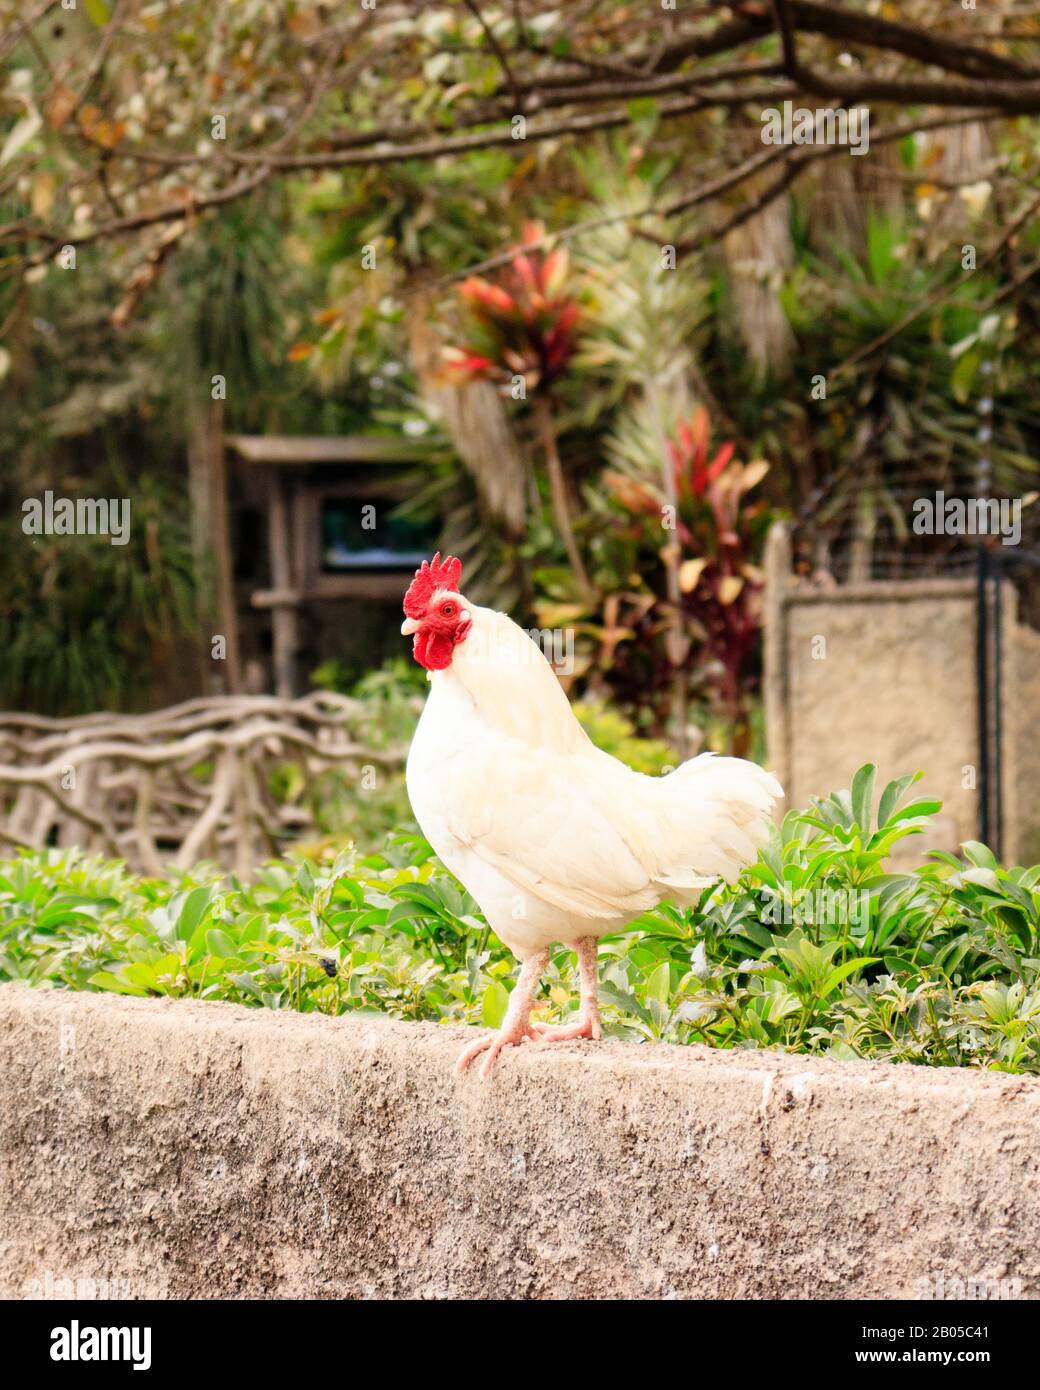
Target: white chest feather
(553, 838)
(453, 733)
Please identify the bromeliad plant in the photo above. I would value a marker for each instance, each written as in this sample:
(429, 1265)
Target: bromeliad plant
(522, 333)
(712, 535)
(721, 583)
(524, 326)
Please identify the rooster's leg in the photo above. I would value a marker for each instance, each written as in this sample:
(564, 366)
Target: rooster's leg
(588, 1024)
(515, 1026)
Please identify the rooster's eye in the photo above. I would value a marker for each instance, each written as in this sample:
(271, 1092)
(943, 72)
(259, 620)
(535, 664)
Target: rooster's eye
(448, 610)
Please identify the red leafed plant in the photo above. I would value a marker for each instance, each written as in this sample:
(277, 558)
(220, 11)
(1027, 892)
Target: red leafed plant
(522, 332)
(707, 534)
(525, 324)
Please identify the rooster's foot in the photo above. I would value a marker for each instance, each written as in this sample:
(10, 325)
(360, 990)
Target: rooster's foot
(506, 1037)
(587, 1026)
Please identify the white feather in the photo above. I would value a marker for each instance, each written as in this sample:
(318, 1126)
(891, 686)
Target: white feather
(554, 838)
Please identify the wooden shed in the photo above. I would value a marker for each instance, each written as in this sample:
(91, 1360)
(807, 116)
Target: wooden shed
(331, 516)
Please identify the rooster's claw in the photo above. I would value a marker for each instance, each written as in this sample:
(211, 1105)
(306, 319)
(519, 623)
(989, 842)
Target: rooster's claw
(511, 1037)
(587, 1026)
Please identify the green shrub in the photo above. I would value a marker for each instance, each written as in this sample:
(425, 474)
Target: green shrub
(82, 620)
(817, 948)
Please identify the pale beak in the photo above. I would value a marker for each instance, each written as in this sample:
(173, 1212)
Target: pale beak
(409, 626)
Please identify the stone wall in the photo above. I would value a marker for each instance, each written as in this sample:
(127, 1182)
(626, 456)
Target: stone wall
(885, 672)
(176, 1149)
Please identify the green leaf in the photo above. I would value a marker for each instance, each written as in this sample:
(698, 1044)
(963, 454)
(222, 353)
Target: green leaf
(621, 999)
(104, 979)
(892, 795)
(979, 854)
(863, 795)
(494, 1004)
(97, 11)
(424, 893)
(192, 911)
(220, 944)
(247, 984)
(405, 912)
(942, 856)
(843, 971)
(658, 984)
(914, 809)
(142, 973)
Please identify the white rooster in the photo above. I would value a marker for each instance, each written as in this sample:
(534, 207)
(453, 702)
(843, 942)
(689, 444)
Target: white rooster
(555, 839)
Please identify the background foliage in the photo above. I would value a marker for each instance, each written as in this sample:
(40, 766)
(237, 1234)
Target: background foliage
(322, 286)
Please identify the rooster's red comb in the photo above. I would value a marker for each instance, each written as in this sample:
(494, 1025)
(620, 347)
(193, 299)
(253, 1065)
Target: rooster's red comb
(429, 577)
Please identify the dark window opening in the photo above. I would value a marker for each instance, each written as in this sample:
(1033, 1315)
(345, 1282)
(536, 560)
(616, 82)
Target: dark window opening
(364, 534)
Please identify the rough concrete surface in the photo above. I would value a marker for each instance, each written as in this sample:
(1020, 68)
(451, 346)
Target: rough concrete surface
(897, 688)
(205, 1150)
(885, 672)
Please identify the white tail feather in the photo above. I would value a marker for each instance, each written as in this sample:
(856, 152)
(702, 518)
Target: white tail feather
(718, 814)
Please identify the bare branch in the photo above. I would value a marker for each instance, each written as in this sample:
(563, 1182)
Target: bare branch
(489, 34)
